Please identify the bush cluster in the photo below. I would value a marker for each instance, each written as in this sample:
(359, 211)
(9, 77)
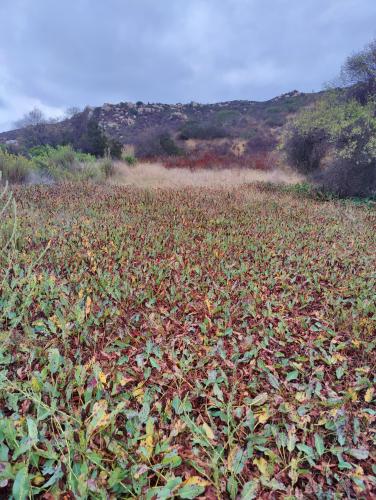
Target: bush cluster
(194, 130)
(335, 144)
(335, 141)
(46, 164)
(15, 169)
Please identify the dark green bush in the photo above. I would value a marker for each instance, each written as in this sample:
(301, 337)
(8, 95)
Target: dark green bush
(131, 160)
(169, 146)
(345, 178)
(194, 130)
(305, 149)
(335, 143)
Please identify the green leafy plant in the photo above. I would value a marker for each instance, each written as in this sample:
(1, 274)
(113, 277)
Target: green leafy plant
(137, 363)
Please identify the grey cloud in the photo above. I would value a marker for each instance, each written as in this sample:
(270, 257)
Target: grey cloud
(81, 52)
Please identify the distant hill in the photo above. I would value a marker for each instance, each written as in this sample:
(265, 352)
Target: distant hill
(238, 129)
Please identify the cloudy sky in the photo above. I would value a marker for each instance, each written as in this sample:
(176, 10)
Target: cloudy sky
(55, 54)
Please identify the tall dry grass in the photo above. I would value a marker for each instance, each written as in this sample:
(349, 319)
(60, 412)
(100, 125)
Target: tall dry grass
(149, 175)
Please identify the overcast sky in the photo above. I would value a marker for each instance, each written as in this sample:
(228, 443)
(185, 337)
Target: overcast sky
(60, 53)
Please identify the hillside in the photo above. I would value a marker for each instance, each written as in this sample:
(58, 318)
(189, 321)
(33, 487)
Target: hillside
(236, 128)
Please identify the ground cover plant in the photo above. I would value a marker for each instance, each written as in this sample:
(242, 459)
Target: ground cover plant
(183, 343)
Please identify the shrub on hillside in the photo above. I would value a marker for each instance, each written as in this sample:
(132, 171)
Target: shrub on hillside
(359, 73)
(169, 146)
(194, 130)
(129, 159)
(335, 135)
(346, 178)
(305, 149)
(15, 169)
(227, 117)
(61, 162)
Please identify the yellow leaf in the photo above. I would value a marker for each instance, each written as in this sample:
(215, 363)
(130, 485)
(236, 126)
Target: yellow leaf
(148, 443)
(125, 380)
(102, 378)
(208, 431)
(263, 416)
(139, 392)
(196, 481)
(232, 456)
(369, 395)
(300, 396)
(178, 427)
(353, 395)
(293, 473)
(88, 306)
(359, 472)
(262, 466)
(333, 412)
(38, 480)
(99, 417)
(208, 305)
(35, 384)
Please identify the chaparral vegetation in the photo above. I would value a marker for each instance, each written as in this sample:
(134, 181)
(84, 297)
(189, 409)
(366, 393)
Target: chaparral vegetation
(213, 343)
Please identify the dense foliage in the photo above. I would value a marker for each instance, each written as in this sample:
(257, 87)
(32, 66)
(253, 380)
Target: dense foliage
(47, 163)
(359, 73)
(183, 343)
(208, 131)
(336, 141)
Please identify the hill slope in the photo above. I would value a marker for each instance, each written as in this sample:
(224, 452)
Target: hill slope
(237, 128)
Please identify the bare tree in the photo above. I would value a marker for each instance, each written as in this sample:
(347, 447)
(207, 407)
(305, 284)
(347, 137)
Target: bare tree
(359, 71)
(72, 111)
(31, 119)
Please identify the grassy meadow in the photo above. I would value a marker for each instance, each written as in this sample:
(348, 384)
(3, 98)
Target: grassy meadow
(185, 343)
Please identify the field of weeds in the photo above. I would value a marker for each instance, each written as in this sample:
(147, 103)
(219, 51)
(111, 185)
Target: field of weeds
(186, 343)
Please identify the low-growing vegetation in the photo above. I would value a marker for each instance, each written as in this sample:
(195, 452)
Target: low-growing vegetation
(50, 164)
(186, 343)
(211, 161)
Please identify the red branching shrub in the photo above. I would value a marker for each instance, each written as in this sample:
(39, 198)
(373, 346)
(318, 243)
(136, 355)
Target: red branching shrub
(259, 161)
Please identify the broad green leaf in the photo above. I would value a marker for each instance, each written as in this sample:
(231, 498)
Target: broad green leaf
(232, 487)
(208, 431)
(236, 460)
(291, 439)
(260, 399)
(32, 429)
(250, 490)
(21, 485)
(359, 453)
(292, 375)
(273, 484)
(306, 449)
(319, 445)
(273, 381)
(262, 466)
(191, 491)
(54, 360)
